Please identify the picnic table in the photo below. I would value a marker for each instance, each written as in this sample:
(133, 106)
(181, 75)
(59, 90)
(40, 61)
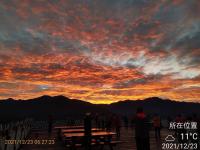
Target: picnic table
(74, 137)
(69, 127)
(94, 134)
(97, 138)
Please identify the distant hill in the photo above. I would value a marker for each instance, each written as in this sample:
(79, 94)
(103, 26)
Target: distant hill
(41, 107)
(62, 107)
(156, 105)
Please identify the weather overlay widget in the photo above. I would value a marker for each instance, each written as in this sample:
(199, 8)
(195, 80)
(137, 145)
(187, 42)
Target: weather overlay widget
(184, 136)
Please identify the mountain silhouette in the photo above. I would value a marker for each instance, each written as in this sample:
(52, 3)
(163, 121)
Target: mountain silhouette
(153, 105)
(60, 106)
(63, 107)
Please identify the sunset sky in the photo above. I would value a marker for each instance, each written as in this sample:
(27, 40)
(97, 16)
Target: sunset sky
(100, 51)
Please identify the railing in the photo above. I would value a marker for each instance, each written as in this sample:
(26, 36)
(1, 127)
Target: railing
(43, 124)
(11, 134)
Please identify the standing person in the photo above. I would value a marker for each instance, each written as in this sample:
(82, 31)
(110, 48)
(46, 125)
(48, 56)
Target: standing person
(50, 123)
(109, 122)
(117, 124)
(97, 120)
(88, 130)
(157, 125)
(125, 118)
(142, 130)
(102, 121)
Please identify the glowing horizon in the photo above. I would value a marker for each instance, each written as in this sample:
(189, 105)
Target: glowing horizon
(100, 51)
(102, 101)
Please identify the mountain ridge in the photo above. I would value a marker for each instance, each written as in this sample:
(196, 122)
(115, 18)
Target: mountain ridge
(46, 97)
(63, 107)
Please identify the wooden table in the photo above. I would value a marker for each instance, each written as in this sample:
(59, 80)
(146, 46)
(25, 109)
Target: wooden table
(99, 138)
(94, 134)
(69, 127)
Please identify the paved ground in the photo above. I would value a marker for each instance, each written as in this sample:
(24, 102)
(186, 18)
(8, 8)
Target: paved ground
(127, 138)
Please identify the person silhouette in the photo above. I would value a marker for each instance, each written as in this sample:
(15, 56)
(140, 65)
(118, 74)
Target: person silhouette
(125, 119)
(50, 123)
(87, 130)
(142, 128)
(157, 126)
(117, 124)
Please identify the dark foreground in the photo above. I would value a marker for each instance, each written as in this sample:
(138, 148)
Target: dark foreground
(127, 138)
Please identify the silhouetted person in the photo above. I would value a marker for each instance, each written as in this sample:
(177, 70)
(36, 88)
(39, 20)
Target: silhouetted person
(132, 122)
(169, 119)
(109, 121)
(125, 118)
(97, 120)
(88, 130)
(50, 123)
(103, 121)
(157, 125)
(117, 124)
(142, 130)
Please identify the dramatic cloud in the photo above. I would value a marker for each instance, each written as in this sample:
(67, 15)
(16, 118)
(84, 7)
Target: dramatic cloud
(100, 50)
